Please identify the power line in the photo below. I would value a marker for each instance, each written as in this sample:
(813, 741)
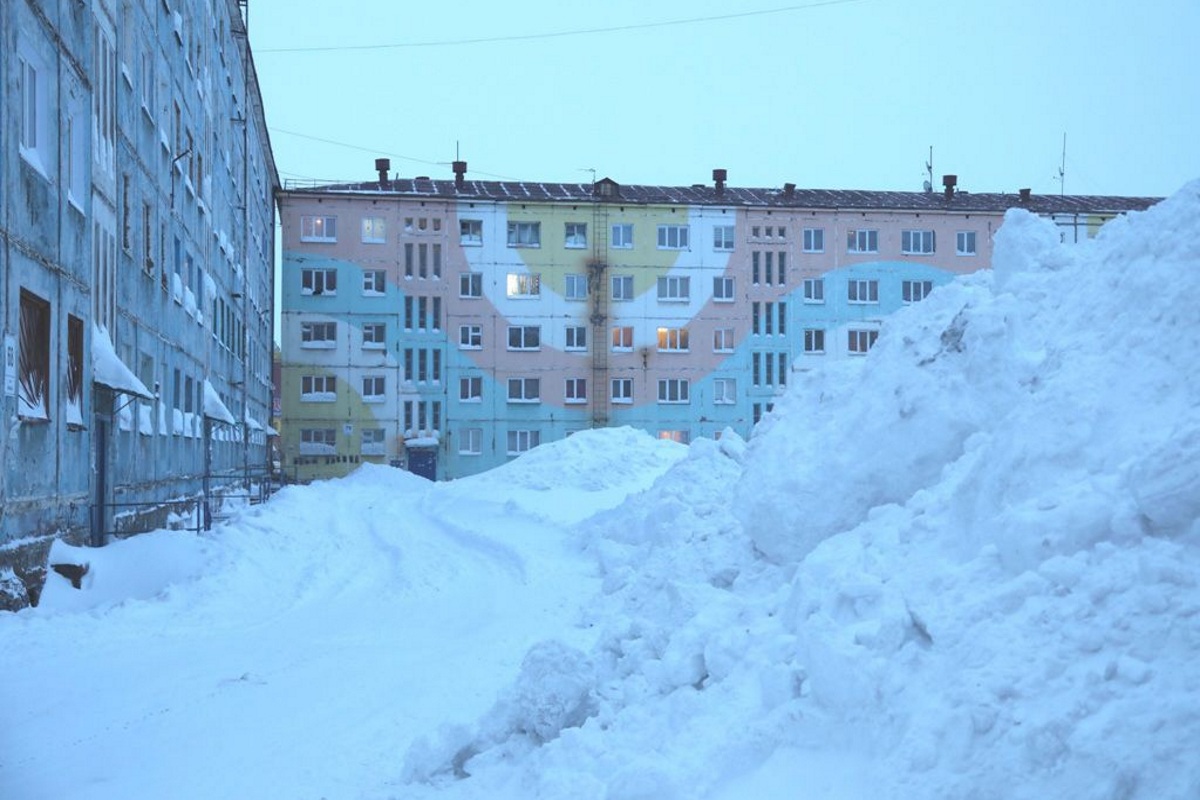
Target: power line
(559, 34)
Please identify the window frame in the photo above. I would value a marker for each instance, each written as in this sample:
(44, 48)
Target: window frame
(724, 391)
(674, 289)
(373, 230)
(910, 289)
(918, 242)
(814, 240)
(571, 339)
(374, 283)
(524, 333)
(724, 290)
(679, 233)
(622, 240)
(529, 391)
(325, 276)
(673, 340)
(621, 391)
(572, 394)
(855, 288)
(376, 381)
(470, 441)
(523, 285)
(679, 387)
(862, 240)
(470, 232)
(470, 389)
(374, 336)
(720, 335)
(856, 337)
(524, 233)
(621, 334)
(814, 341)
(814, 291)
(575, 235)
(571, 290)
(625, 282)
(327, 228)
(723, 238)
(470, 337)
(33, 357)
(962, 240)
(522, 440)
(309, 339)
(472, 283)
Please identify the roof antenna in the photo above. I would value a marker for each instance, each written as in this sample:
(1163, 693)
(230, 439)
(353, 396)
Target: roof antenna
(929, 169)
(1062, 169)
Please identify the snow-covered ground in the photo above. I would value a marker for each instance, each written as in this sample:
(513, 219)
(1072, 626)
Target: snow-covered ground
(964, 567)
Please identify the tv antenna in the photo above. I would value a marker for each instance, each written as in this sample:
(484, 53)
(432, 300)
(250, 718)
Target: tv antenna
(929, 171)
(1062, 169)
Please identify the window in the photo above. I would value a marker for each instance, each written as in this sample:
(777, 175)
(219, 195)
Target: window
(814, 340)
(861, 341)
(522, 441)
(373, 442)
(723, 290)
(673, 288)
(575, 391)
(916, 242)
(622, 339)
(373, 230)
(724, 391)
(622, 390)
(521, 284)
(374, 336)
(915, 291)
(75, 152)
(470, 284)
(864, 241)
(681, 437)
(576, 338)
(318, 334)
(862, 291)
(672, 237)
(33, 369)
(318, 442)
(524, 390)
(577, 287)
(622, 236)
(318, 229)
(470, 441)
(966, 243)
(318, 281)
(576, 234)
(470, 389)
(622, 287)
(524, 337)
(672, 340)
(814, 290)
(723, 237)
(723, 340)
(470, 337)
(75, 371)
(373, 388)
(782, 267)
(470, 232)
(374, 282)
(524, 234)
(318, 389)
(814, 240)
(673, 390)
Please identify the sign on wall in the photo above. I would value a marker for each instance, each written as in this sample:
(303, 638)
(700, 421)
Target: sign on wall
(10, 365)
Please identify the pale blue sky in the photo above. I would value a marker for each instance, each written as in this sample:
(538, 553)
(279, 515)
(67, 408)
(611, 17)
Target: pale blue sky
(831, 94)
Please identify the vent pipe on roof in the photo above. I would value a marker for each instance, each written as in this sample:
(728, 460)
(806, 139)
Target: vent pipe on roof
(382, 165)
(1025, 195)
(949, 182)
(719, 176)
(460, 173)
(789, 190)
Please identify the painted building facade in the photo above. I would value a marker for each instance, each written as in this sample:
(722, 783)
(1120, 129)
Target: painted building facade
(448, 326)
(136, 248)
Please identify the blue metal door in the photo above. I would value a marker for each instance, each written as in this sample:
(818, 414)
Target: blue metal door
(423, 462)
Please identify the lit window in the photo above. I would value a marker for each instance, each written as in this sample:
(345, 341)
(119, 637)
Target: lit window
(576, 234)
(917, 242)
(318, 229)
(522, 284)
(672, 237)
(966, 243)
(524, 234)
(524, 390)
(862, 291)
(373, 230)
(470, 232)
(682, 437)
(622, 339)
(672, 340)
(673, 390)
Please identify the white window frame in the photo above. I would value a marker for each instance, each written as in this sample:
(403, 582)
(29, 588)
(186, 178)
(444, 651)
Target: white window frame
(318, 281)
(576, 339)
(524, 390)
(522, 441)
(672, 237)
(523, 285)
(470, 337)
(912, 291)
(965, 243)
(862, 291)
(862, 240)
(470, 284)
(576, 286)
(374, 388)
(814, 341)
(916, 242)
(674, 391)
(622, 338)
(621, 391)
(723, 340)
(528, 337)
(622, 287)
(33, 117)
(318, 335)
(814, 240)
(470, 232)
(374, 283)
(622, 236)
(674, 289)
(318, 228)
(672, 340)
(575, 235)
(374, 442)
(318, 389)
(524, 234)
(318, 441)
(575, 391)
(723, 290)
(470, 441)
(724, 391)
(470, 389)
(374, 230)
(859, 341)
(723, 238)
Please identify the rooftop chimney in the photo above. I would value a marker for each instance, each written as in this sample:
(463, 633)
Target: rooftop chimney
(949, 182)
(1025, 195)
(460, 173)
(719, 179)
(789, 190)
(382, 165)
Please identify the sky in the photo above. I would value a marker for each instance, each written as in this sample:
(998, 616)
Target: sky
(825, 94)
(953, 568)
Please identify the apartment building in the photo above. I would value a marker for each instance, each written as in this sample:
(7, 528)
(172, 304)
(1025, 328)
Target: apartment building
(450, 325)
(136, 269)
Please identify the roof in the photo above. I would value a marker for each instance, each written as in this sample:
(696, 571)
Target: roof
(708, 195)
